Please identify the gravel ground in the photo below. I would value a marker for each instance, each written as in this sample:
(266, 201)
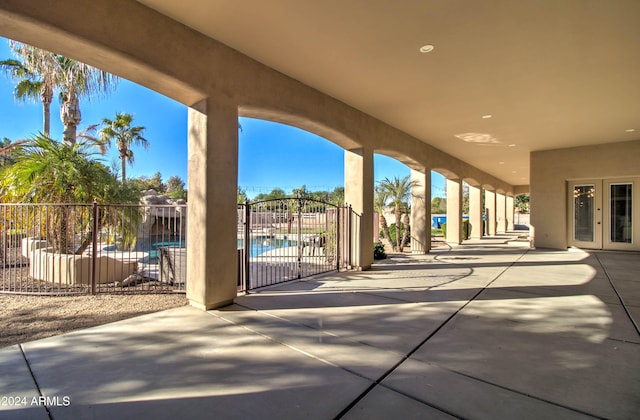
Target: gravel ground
(27, 318)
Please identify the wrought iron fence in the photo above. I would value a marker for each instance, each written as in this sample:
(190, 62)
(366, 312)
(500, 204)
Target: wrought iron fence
(286, 239)
(91, 248)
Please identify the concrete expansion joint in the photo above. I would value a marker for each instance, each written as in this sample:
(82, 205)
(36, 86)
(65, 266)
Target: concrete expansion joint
(408, 355)
(516, 391)
(622, 302)
(33, 378)
(273, 339)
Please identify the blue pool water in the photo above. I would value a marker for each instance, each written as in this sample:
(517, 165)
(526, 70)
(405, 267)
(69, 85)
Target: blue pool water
(259, 245)
(262, 244)
(152, 249)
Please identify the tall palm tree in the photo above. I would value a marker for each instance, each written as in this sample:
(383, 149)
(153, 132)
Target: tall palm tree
(78, 80)
(31, 85)
(399, 192)
(72, 79)
(380, 198)
(124, 136)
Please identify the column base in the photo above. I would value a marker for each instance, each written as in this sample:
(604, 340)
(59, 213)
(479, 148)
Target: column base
(209, 306)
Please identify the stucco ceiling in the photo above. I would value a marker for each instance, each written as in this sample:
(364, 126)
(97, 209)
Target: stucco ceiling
(551, 74)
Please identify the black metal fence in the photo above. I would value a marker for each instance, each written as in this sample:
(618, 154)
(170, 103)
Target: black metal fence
(91, 248)
(286, 239)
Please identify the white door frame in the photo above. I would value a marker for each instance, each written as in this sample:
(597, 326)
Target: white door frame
(585, 192)
(632, 233)
(598, 193)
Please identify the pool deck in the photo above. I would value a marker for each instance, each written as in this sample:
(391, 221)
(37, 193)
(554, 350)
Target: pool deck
(486, 330)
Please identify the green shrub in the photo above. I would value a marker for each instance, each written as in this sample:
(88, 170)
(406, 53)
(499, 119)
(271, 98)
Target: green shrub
(466, 229)
(378, 251)
(392, 234)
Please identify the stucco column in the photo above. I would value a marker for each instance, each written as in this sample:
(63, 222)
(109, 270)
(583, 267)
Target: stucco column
(501, 213)
(510, 209)
(213, 178)
(475, 211)
(490, 205)
(421, 212)
(454, 211)
(358, 192)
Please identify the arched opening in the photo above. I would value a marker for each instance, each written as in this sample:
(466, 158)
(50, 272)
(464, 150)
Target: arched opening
(144, 214)
(275, 156)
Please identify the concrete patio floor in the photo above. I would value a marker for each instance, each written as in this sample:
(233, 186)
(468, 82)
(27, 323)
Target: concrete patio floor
(487, 330)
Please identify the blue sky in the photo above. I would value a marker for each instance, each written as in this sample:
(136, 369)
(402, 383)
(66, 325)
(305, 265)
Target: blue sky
(270, 154)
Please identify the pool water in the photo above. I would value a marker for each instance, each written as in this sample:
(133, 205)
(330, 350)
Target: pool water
(153, 252)
(151, 249)
(262, 244)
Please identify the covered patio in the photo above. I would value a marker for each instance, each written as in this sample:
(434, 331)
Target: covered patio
(488, 329)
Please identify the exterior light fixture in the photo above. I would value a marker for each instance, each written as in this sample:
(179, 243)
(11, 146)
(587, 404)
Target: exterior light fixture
(426, 48)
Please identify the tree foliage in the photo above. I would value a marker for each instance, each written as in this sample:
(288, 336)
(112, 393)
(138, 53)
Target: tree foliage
(154, 182)
(521, 203)
(176, 188)
(438, 205)
(398, 192)
(58, 173)
(52, 172)
(44, 73)
(125, 135)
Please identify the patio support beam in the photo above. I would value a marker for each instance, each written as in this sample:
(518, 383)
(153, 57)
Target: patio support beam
(510, 226)
(490, 205)
(475, 211)
(358, 192)
(454, 211)
(421, 212)
(213, 177)
(501, 213)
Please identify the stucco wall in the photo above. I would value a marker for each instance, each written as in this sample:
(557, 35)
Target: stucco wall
(550, 171)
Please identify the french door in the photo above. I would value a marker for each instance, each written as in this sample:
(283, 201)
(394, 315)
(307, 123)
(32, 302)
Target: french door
(604, 214)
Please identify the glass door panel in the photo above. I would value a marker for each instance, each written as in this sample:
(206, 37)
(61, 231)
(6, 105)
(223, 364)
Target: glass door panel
(584, 210)
(621, 199)
(585, 215)
(622, 214)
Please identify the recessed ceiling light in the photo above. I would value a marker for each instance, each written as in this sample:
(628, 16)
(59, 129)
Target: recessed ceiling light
(426, 48)
(487, 116)
(630, 130)
(512, 145)
(501, 163)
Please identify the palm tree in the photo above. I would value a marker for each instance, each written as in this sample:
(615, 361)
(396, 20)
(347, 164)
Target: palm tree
(399, 192)
(73, 79)
(31, 85)
(125, 136)
(78, 80)
(46, 171)
(379, 202)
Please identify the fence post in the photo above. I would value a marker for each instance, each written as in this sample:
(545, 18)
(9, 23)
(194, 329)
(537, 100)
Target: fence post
(338, 236)
(247, 246)
(350, 236)
(5, 243)
(300, 242)
(94, 251)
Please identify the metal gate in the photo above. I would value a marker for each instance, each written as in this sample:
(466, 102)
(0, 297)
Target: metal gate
(286, 239)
